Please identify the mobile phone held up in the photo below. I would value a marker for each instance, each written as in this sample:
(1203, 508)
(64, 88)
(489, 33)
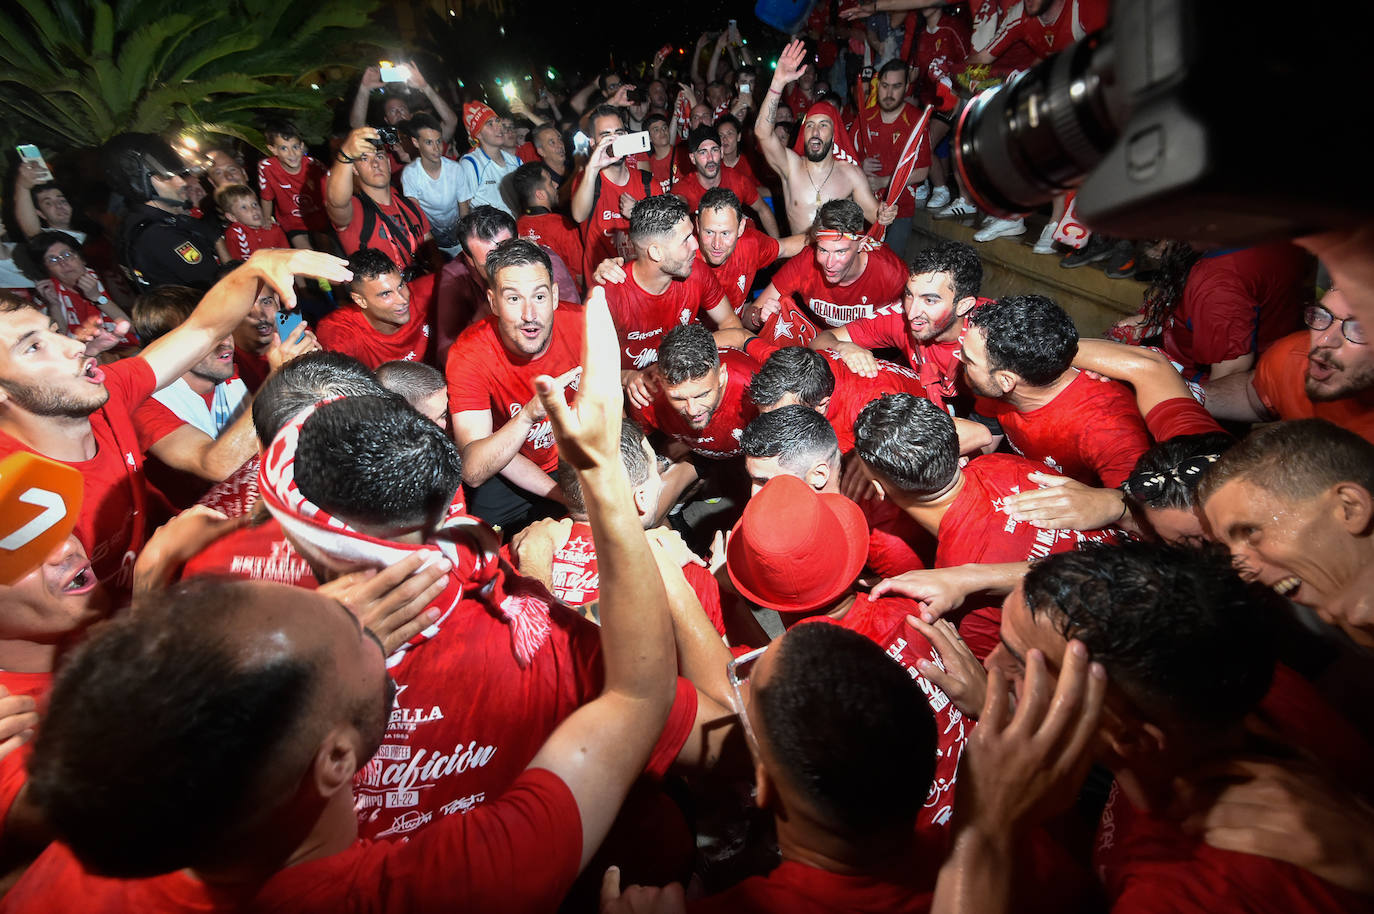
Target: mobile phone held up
(393, 74)
(630, 144)
(30, 153)
(287, 322)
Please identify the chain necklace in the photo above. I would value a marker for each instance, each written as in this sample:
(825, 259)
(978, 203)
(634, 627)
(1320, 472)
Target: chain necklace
(814, 186)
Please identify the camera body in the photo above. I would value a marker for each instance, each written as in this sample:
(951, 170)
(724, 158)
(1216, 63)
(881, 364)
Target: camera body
(1181, 120)
(387, 135)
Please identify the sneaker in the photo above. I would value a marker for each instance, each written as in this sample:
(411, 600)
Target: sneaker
(960, 207)
(1097, 249)
(1000, 228)
(1046, 243)
(923, 193)
(939, 198)
(1122, 263)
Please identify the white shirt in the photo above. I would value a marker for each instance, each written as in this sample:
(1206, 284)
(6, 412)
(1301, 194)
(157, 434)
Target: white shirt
(480, 178)
(438, 197)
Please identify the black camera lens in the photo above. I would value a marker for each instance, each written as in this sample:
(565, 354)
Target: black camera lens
(387, 135)
(1023, 143)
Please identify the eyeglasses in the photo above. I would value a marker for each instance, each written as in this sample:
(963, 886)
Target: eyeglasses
(738, 672)
(60, 258)
(1318, 318)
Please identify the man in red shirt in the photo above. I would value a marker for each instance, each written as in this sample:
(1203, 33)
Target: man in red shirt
(500, 427)
(941, 289)
(662, 289)
(1018, 360)
(663, 153)
(1324, 373)
(732, 248)
(849, 278)
(56, 402)
(374, 215)
(879, 139)
(389, 317)
(316, 712)
(542, 220)
(702, 396)
(606, 191)
(910, 447)
(703, 148)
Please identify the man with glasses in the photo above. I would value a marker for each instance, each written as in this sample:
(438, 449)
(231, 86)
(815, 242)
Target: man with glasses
(1325, 373)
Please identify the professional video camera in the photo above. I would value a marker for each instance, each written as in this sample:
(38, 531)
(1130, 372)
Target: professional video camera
(1210, 121)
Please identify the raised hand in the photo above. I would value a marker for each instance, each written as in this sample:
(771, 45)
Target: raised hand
(791, 62)
(588, 432)
(279, 267)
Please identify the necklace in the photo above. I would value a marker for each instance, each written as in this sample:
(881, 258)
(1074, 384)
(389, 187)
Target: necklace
(816, 187)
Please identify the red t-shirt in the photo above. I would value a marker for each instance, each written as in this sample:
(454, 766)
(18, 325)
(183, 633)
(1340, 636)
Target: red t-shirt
(1279, 380)
(940, 54)
(642, 319)
(1077, 19)
(577, 579)
(883, 621)
(1091, 431)
(937, 364)
(467, 719)
(896, 543)
(13, 773)
(253, 369)
(744, 171)
(297, 199)
(606, 233)
(1238, 302)
(411, 223)
(875, 137)
(556, 231)
(483, 375)
(853, 392)
(688, 186)
(113, 521)
(242, 240)
(501, 857)
(796, 888)
(753, 251)
(347, 330)
(881, 283)
(975, 530)
(1179, 416)
(720, 438)
(663, 170)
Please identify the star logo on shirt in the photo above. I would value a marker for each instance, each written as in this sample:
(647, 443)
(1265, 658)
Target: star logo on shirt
(782, 330)
(685, 317)
(740, 282)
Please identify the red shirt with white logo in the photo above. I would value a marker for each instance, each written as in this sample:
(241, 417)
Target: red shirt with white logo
(297, 199)
(642, 318)
(937, 364)
(721, 436)
(346, 330)
(753, 251)
(881, 283)
(689, 187)
(663, 171)
(606, 233)
(940, 55)
(484, 375)
(853, 392)
(975, 530)
(1091, 431)
(876, 137)
(242, 240)
(113, 520)
(558, 232)
(1076, 20)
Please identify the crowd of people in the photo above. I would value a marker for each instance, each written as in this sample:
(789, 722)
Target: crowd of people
(483, 510)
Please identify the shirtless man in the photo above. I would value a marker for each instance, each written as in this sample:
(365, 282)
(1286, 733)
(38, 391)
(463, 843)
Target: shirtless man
(819, 176)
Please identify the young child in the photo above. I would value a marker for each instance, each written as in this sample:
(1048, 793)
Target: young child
(291, 185)
(249, 229)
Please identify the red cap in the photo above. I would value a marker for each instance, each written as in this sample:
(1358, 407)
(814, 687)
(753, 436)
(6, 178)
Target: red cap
(796, 549)
(475, 117)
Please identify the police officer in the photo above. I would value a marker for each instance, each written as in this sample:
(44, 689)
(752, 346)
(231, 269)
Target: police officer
(161, 243)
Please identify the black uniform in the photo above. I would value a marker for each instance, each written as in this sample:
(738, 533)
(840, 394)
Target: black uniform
(170, 249)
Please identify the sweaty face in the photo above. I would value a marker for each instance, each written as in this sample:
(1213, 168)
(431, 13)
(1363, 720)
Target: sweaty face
(820, 137)
(64, 264)
(718, 231)
(677, 250)
(707, 160)
(977, 373)
(928, 302)
(52, 205)
(837, 258)
(395, 110)
(219, 364)
(373, 168)
(44, 372)
(255, 332)
(479, 250)
(384, 298)
(288, 152)
(1296, 546)
(696, 400)
(1336, 367)
(891, 91)
(431, 145)
(225, 170)
(57, 598)
(247, 210)
(523, 299)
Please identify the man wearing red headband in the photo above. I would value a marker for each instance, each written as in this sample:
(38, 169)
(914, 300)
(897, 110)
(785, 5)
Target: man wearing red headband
(829, 169)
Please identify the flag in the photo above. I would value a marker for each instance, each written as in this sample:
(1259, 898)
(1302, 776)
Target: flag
(905, 163)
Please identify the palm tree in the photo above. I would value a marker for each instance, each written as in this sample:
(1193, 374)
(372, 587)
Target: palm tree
(74, 73)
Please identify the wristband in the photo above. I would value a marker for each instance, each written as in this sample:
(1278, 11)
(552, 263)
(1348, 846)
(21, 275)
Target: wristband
(772, 91)
(346, 159)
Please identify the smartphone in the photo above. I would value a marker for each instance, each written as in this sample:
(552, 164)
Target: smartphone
(30, 153)
(287, 322)
(390, 74)
(630, 144)
(508, 90)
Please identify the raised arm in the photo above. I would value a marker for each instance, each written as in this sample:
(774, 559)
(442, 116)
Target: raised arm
(25, 213)
(603, 746)
(338, 191)
(372, 79)
(1149, 372)
(583, 198)
(448, 121)
(791, 64)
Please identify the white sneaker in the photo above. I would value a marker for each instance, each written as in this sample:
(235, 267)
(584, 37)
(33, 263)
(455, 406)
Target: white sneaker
(923, 192)
(939, 198)
(1046, 243)
(1000, 228)
(960, 207)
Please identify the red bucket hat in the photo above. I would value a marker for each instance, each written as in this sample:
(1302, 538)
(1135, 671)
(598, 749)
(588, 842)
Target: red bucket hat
(475, 117)
(795, 549)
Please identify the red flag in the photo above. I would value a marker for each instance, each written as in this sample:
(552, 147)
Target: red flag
(905, 163)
